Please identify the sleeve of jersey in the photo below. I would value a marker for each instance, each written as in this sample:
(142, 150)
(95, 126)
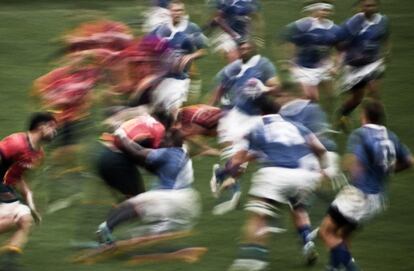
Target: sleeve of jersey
(402, 151)
(355, 145)
(269, 71)
(242, 8)
(200, 41)
(14, 174)
(9, 148)
(155, 157)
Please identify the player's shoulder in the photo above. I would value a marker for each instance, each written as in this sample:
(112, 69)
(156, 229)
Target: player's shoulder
(304, 24)
(232, 68)
(193, 27)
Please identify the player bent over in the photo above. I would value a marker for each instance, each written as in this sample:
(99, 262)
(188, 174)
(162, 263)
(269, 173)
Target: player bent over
(18, 153)
(173, 203)
(373, 154)
(279, 145)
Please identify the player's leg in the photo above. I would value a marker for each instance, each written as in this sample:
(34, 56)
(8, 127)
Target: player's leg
(21, 219)
(355, 97)
(303, 225)
(253, 253)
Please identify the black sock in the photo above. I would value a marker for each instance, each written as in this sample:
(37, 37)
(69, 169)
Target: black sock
(122, 213)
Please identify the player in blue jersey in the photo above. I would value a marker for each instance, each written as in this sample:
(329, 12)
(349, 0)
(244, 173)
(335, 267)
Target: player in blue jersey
(365, 48)
(188, 43)
(240, 82)
(310, 114)
(235, 20)
(172, 202)
(282, 179)
(312, 40)
(373, 154)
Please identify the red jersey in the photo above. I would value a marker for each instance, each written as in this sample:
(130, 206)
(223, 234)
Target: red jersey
(203, 115)
(17, 155)
(139, 129)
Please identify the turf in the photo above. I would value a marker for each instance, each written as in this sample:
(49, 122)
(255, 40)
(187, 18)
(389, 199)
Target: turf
(28, 30)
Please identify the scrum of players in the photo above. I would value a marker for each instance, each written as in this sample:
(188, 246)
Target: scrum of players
(255, 112)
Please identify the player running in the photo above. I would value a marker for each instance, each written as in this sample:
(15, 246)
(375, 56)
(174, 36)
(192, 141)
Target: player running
(235, 20)
(18, 153)
(312, 39)
(282, 179)
(373, 154)
(240, 83)
(116, 167)
(188, 43)
(172, 203)
(366, 48)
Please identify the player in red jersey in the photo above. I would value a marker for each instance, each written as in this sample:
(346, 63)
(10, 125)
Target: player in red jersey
(199, 120)
(18, 153)
(118, 169)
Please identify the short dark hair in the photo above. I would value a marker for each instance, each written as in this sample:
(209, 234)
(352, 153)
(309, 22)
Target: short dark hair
(39, 118)
(176, 2)
(267, 104)
(374, 111)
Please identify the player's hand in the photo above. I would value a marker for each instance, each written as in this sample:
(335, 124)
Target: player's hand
(36, 216)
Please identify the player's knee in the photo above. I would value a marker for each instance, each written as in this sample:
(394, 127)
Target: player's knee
(25, 222)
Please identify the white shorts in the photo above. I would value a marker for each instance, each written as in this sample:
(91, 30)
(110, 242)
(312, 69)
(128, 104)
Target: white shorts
(353, 75)
(233, 126)
(171, 93)
(312, 76)
(222, 42)
(14, 210)
(356, 206)
(181, 205)
(282, 184)
(155, 17)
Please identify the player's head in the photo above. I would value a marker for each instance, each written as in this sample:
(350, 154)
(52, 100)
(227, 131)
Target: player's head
(369, 7)
(247, 49)
(267, 104)
(173, 138)
(177, 10)
(373, 112)
(164, 117)
(319, 8)
(43, 123)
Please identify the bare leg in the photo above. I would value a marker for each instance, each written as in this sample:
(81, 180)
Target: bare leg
(19, 238)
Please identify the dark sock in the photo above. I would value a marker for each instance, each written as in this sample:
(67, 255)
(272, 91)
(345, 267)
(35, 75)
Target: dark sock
(121, 214)
(304, 231)
(340, 255)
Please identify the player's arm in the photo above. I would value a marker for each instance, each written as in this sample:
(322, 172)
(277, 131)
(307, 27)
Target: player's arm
(130, 147)
(218, 92)
(328, 168)
(219, 20)
(405, 159)
(27, 194)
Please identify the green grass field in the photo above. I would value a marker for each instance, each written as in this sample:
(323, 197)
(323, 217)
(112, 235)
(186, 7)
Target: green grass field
(28, 29)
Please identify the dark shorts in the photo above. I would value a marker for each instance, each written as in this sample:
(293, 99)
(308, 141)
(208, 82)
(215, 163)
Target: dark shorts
(119, 172)
(341, 221)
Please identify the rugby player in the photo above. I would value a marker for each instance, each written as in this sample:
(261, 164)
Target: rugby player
(240, 83)
(20, 152)
(373, 154)
(115, 166)
(312, 38)
(188, 43)
(235, 21)
(366, 46)
(172, 203)
(199, 120)
(279, 145)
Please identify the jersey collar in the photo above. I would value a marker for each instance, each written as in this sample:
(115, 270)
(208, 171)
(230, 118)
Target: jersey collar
(253, 61)
(374, 126)
(320, 24)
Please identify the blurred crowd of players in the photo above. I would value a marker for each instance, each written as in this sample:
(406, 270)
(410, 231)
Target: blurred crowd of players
(257, 113)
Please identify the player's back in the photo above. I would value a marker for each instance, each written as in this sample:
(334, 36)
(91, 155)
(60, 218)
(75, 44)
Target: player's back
(377, 150)
(144, 127)
(172, 166)
(311, 116)
(279, 143)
